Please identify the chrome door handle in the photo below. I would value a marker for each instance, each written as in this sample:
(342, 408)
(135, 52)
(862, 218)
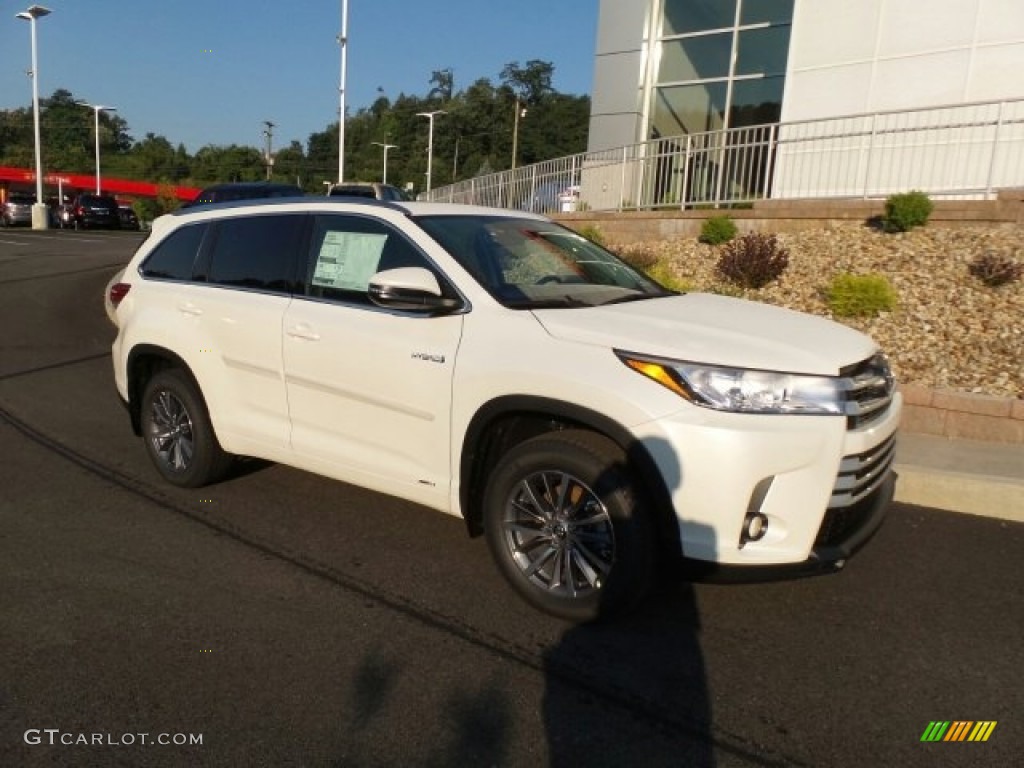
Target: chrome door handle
(188, 308)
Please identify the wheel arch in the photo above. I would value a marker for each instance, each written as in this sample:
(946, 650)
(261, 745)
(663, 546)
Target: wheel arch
(144, 362)
(506, 421)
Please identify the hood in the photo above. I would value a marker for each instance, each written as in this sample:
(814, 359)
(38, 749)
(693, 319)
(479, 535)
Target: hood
(718, 330)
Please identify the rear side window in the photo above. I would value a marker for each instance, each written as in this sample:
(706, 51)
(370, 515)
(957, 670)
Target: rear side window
(256, 252)
(175, 257)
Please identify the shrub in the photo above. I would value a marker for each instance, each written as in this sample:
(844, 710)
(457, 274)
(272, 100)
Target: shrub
(638, 256)
(663, 273)
(995, 270)
(906, 211)
(753, 260)
(592, 233)
(717, 230)
(860, 295)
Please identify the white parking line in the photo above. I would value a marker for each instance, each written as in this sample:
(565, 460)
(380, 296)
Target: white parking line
(13, 242)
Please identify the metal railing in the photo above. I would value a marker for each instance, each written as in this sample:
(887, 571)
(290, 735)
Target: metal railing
(960, 151)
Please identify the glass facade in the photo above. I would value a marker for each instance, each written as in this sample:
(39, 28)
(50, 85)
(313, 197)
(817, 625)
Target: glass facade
(721, 64)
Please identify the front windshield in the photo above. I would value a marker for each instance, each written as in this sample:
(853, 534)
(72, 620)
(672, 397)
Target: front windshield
(531, 264)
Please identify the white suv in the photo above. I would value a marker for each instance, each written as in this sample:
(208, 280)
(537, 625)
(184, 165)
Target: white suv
(496, 366)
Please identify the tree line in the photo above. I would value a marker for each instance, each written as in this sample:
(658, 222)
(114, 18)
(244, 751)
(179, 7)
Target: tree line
(473, 138)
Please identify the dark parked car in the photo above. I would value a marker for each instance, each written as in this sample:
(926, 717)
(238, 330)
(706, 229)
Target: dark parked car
(371, 189)
(244, 190)
(18, 209)
(100, 211)
(128, 218)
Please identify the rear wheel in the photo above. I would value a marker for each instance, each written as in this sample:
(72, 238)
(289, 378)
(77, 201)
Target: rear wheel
(178, 434)
(566, 528)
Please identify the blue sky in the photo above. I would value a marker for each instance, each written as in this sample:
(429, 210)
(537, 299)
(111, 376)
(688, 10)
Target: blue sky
(211, 72)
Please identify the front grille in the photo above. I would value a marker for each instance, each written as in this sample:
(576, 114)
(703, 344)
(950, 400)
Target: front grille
(869, 386)
(860, 477)
(862, 473)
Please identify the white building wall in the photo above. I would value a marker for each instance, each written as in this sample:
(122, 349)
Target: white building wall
(893, 56)
(853, 57)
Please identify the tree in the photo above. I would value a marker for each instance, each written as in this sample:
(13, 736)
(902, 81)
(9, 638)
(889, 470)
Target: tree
(530, 83)
(443, 81)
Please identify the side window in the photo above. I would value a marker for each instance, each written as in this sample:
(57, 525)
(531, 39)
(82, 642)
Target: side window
(256, 252)
(175, 257)
(346, 251)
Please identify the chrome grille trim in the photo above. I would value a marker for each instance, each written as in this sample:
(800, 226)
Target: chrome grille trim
(869, 386)
(861, 474)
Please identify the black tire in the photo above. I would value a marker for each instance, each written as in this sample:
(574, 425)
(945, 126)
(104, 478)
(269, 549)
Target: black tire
(566, 526)
(176, 429)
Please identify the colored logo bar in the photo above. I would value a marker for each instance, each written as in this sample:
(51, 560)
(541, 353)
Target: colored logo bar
(959, 730)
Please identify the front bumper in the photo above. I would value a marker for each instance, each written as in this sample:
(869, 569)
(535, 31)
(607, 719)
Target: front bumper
(821, 487)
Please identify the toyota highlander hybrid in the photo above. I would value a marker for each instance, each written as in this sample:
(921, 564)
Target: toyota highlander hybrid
(493, 365)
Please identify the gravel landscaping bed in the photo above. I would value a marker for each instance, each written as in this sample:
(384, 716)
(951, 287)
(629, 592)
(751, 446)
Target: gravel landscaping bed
(948, 331)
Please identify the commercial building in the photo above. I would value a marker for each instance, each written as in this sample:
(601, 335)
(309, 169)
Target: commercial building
(836, 74)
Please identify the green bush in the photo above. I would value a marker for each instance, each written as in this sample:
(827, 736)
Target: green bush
(995, 270)
(753, 260)
(860, 295)
(906, 211)
(592, 233)
(717, 230)
(661, 272)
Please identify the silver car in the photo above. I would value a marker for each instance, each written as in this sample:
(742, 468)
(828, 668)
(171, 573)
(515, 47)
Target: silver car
(18, 210)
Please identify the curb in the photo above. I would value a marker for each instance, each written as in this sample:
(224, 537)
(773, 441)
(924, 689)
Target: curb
(982, 495)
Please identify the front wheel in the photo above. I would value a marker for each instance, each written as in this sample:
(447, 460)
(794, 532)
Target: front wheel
(179, 437)
(566, 527)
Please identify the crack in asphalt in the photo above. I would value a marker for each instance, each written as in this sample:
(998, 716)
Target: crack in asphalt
(53, 366)
(68, 273)
(609, 694)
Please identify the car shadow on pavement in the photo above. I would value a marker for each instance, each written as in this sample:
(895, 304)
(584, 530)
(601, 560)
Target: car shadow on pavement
(632, 690)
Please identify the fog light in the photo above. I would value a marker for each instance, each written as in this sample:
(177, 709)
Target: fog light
(755, 527)
(755, 524)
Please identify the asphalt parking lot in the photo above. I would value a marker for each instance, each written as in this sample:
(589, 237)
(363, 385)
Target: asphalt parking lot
(290, 620)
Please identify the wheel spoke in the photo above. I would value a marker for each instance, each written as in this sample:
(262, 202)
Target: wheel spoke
(538, 503)
(540, 561)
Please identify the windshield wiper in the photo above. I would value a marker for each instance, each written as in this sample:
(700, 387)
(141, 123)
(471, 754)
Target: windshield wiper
(637, 297)
(559, 303)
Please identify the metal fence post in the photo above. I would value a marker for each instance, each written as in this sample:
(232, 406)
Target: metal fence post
(622, 180)
(867, 161)
(995, 149)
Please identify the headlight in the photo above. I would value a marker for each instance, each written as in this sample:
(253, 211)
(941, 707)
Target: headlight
(741, 390)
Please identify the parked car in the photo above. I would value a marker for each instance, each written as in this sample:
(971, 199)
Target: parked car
(95, 211)
(244, 190)
(499, 367)
(368, 189)
(129, 220)
(17, 210)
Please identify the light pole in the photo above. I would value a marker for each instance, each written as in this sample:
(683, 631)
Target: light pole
(520, 112)
(40, 219)
(343, 42)
(97, 108)
(430, 139)
(268, 132)
(386, 148)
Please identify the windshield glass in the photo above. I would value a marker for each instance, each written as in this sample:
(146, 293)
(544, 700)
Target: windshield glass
(531, 264)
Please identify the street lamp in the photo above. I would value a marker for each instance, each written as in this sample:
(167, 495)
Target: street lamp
(386, 148)
(97, 108)
(430, 140)
(343, 42)
(520, 112)
(40, 219)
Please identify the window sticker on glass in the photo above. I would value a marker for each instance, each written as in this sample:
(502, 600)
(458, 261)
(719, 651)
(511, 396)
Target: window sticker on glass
(348, 260)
